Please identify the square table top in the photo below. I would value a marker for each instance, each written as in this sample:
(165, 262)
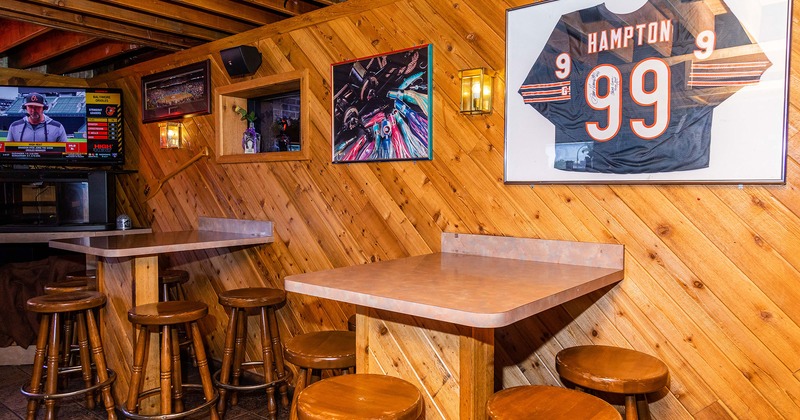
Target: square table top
(213, 233)
(471, 290)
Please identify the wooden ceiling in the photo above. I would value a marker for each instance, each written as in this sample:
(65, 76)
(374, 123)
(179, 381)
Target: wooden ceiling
(73, 36)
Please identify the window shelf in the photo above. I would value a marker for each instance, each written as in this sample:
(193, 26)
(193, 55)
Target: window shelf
(230, 126)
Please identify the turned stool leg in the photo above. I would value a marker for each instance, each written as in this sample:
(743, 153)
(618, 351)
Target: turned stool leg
(100, 362)
(177, 396)
(238, 352)
(38, 364)
(137, 379)
(86, 365)
(303, 379)
(202, 366)
(277, 350)
(266, 350)
(68, 321)
(227, 359)
(166, 370)
(51, 385)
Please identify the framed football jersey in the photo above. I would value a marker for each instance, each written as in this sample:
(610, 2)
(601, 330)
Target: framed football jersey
(647, 91)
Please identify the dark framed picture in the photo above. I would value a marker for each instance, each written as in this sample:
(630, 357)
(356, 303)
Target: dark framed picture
(382, 107)
(654, 91)
(177, 93)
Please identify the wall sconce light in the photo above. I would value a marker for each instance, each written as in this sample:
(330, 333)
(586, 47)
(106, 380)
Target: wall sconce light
(170, 134)
(476, 90)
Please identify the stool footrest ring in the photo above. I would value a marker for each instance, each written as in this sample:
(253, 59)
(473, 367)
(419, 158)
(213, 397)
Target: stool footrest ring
(229, 387)
(35, 395)
(136, 416)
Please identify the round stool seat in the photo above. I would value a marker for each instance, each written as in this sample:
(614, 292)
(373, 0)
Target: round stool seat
(322, 350)
(87, 276)
(547, 402)
(66, 302)
(167, 313)
(612, 369)
(73, 285)
(173, 276)
(252, 297)
(360, 396)
(351, 323)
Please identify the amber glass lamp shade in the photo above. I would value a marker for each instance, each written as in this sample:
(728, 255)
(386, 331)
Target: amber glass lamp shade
(476, 91)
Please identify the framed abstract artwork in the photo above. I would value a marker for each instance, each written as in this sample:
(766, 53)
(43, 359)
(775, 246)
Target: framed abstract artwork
(382, 107)
(177, 93)
(647, 91)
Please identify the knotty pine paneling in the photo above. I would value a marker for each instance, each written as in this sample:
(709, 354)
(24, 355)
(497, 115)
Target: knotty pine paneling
(711, 271)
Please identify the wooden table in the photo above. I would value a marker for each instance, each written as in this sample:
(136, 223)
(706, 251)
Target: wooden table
(127, 272)
(433, 316)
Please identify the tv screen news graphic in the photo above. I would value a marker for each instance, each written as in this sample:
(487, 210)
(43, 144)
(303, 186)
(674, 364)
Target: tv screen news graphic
(91, 120)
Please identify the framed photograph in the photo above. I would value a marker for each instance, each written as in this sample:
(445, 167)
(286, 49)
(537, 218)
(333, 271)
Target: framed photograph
(177, 93)
(382, 107)
(647, 91)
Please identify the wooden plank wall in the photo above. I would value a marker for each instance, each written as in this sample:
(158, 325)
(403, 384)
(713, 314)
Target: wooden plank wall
(711, 271)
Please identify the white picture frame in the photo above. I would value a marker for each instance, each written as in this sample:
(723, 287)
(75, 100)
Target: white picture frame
(747, 136)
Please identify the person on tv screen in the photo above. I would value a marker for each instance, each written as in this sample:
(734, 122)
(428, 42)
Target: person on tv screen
(35, 126)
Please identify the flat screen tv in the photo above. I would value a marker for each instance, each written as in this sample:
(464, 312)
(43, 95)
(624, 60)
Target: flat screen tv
(91, 119)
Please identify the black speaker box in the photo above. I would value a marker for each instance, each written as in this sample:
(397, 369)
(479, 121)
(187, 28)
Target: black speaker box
(241, 61)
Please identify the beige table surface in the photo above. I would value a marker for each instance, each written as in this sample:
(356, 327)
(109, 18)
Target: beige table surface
(44, 237)
(469, 290)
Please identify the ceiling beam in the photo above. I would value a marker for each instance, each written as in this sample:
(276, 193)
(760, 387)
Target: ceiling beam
(230, 9)
(284, 7)
(170, 10)
(93, 26)
(45, 47)
(111, 13)
(14, 33)
(95, 53)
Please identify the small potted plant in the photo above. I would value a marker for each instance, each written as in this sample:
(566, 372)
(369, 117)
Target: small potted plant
(251, 140)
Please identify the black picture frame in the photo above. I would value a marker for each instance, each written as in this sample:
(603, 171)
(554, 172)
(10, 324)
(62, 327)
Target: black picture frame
(178, 93)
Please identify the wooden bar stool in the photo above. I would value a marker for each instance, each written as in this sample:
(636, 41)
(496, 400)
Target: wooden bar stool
(547, 402)
(52, 308)
(89, 276)
(75, 281)
(360, 396)
(170, 285)
(316, 351)
(615, 370)
(165, 316)
(240, 303)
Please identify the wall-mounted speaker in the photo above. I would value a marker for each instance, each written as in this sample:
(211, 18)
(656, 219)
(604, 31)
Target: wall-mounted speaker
(241, 61)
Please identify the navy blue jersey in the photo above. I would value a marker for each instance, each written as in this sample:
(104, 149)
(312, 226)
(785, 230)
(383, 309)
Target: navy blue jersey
(635, 93)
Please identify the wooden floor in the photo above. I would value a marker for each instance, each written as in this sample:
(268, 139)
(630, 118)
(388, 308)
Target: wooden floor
(252, 405)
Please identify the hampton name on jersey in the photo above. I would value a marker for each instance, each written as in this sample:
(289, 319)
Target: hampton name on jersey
(635, 93)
